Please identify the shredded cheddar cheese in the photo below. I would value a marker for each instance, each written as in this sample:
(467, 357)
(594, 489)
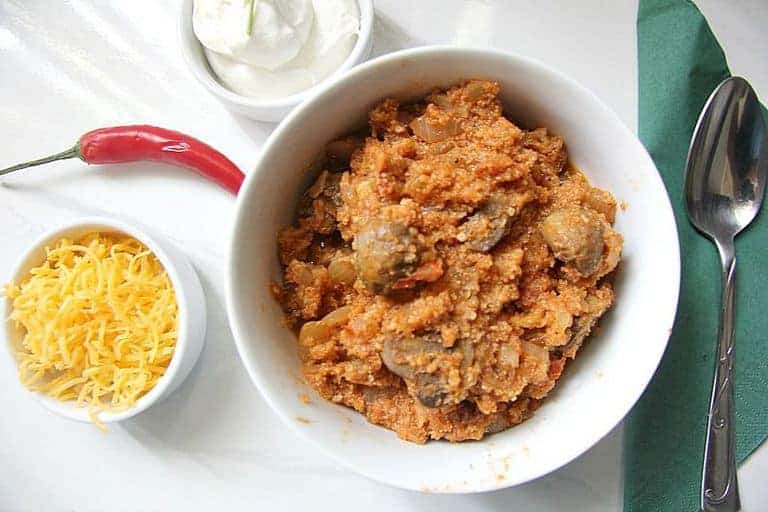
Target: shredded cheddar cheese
(99, 319)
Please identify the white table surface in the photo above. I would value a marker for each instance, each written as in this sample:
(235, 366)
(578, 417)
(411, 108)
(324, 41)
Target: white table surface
(69, 66)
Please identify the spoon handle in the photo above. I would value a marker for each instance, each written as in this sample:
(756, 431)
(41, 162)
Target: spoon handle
(719, 487)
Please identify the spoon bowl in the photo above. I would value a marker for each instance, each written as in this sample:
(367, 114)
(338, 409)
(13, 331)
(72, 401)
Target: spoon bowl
(726, 176)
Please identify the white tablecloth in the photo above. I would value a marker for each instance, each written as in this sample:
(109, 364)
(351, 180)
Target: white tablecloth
(69, 66)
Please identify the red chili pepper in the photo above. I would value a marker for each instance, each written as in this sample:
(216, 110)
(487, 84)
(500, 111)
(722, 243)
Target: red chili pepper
(120, 144)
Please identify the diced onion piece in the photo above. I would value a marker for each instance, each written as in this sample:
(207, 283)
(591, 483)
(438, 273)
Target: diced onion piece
(509, 355)
(314, 332)
(342, 270)
(337, 316)
(430, 132)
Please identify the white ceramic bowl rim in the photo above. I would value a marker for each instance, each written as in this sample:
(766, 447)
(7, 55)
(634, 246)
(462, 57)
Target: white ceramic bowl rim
(666, 317)
(207, 77)
(67, 409)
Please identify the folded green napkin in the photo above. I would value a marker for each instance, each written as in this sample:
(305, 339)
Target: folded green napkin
(680, 63)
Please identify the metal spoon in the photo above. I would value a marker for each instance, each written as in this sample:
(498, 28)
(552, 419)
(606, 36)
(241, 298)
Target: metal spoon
(724, 187)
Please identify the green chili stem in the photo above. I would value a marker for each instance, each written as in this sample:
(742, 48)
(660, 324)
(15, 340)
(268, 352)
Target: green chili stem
(73, 152)
(249, 30)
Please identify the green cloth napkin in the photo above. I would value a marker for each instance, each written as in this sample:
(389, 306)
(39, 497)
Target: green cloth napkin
(680, 63)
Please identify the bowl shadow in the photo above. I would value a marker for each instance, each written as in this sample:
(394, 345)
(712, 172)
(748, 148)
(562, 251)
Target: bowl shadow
(217, 419)
(196, 413)
(590, 482)
(388, 36)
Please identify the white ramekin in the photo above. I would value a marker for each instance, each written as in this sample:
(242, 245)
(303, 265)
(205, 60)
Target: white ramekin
(260, 109)
(189, 296)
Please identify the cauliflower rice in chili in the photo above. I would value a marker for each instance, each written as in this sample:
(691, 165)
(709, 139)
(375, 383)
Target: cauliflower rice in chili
(446, 266)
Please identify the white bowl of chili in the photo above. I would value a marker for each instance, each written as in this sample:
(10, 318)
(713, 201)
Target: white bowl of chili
(173, 276)
(596, 391)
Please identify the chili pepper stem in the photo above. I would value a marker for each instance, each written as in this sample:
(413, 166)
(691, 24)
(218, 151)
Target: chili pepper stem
(73, 152)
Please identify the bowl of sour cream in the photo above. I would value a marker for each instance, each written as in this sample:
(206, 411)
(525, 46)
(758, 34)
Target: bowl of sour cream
(261, 58)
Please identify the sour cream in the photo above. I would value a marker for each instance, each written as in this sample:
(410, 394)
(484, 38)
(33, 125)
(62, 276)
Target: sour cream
(280, 47)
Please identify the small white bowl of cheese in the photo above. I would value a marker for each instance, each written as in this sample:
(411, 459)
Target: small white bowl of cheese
(261, 58)
(101, 308)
